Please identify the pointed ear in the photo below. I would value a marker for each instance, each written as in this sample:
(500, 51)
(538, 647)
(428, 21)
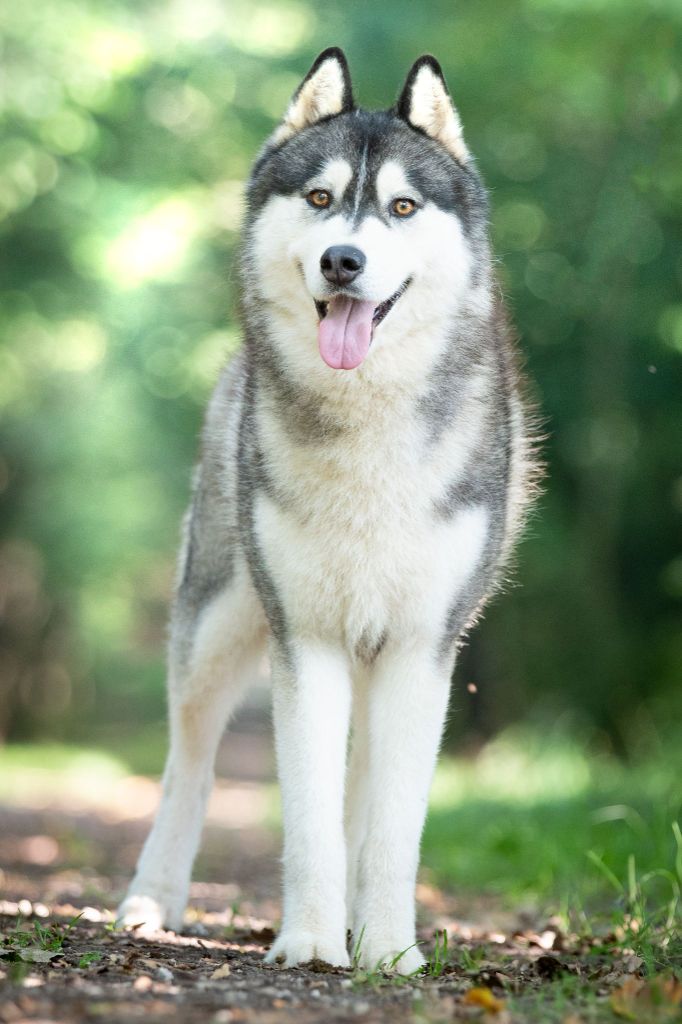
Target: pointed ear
(325, 91)
(425, 104)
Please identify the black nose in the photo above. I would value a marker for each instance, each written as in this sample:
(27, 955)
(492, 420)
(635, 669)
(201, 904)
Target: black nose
(341, 264)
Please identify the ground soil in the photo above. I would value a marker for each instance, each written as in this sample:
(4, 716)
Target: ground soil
(66, 854)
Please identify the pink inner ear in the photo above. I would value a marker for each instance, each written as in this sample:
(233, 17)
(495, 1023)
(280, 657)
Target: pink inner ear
(345, 334)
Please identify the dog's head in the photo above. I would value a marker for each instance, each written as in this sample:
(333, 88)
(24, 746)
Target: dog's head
(364, 220)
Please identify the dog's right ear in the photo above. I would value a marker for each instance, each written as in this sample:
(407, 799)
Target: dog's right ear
(325, 91)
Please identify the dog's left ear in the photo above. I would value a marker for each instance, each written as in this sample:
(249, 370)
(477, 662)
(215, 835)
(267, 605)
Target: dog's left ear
(425, 104)
(325, 91)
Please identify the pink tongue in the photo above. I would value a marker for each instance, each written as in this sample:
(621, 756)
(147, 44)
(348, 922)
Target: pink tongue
(345, 334)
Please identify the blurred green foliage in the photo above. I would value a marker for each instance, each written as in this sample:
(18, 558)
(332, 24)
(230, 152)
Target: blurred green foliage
(521, 817)
(127, 131)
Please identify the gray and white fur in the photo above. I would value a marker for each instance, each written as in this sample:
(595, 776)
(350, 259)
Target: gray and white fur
(366, 467)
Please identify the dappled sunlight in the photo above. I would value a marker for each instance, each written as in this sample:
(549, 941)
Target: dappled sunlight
(227, 200)
(41, 850)
(264, 28)
(42, 772)
(131, 798)
(208, 358)
(36, 348)
(26, 171)
(520, 766)
(78, 346)
(269, 29)
(68, 131)
(115, 50)
(541, 816)
(154, 245)
(83, 780)
(670, 326)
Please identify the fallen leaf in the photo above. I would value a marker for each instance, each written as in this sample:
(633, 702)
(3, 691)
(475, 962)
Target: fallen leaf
(484, 998)
(36, 955)
(549, 966)
(624, 999)
(658, 999)
(221, 972)
(672, 989)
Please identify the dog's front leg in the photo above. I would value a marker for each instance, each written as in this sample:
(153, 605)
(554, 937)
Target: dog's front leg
(311, 699)
(407, 702)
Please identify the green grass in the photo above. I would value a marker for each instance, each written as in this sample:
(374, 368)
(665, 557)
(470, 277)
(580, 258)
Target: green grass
(29, 769)
(37, 944)
(541, 821)
(529, 816)
(440, 958)
(556, 1001)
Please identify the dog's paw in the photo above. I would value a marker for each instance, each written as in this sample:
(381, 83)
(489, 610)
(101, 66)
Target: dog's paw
(293, 948)
(146, 914)
(390, 957)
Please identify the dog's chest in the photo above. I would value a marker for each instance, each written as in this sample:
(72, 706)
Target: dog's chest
(354, 547)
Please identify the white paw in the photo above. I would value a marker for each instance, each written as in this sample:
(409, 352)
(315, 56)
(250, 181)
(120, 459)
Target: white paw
(390, 956)
(146, 914)
(293, 948)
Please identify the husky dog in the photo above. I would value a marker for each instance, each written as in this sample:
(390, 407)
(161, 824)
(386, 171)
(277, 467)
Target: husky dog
(366, 467)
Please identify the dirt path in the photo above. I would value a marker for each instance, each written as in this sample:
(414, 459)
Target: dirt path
(214, 971)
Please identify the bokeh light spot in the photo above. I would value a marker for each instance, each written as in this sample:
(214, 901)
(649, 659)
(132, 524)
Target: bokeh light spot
(79, 346)
(68, 131)
(519, 225)
(154, 245)
(670, 326)
(272, 30)
(116, 50)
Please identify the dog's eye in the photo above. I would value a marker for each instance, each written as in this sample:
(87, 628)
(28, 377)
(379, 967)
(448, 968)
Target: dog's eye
(403, 207)
(319, 198)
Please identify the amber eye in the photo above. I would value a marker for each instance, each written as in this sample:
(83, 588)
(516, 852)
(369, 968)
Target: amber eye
(319, 198)
(403, 207)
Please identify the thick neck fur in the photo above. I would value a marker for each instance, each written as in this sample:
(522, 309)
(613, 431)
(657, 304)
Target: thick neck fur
(416, 338)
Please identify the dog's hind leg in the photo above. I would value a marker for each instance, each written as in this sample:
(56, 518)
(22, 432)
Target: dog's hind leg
(213, 656)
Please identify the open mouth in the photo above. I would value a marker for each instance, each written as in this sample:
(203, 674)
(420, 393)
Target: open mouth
(380, 311)
(347, 325)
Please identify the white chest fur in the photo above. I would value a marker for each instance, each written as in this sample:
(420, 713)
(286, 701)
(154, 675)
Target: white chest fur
(356, 549)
